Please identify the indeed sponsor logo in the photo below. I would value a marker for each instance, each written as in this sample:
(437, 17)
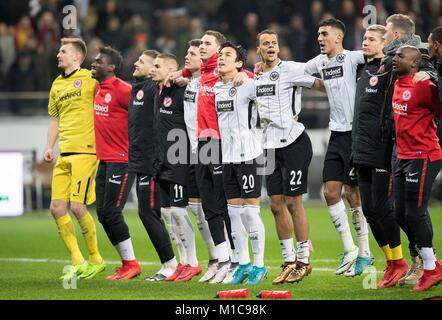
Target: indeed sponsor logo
(138, 103)
(411, 180)
(70, 95)
(400, 108)
(223, 106)
(265, 90)
(370, 90)
(166, 111)
(189, 96)
(332, 73)
(101, 110)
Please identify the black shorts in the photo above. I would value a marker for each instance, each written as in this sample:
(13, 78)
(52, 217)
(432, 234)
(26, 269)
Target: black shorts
(337, 160)
(178, 173)
(173, 194)
(192, 187)
(112, 187)
(242, 180)
(291, 168)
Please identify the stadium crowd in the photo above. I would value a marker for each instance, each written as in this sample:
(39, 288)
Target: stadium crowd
(29, 39)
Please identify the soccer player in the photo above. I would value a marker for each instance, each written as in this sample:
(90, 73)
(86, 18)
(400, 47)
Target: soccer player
(141, 149)
(369, 150)
(71, 101)
(112, 184)
(193, 64)
(419, 156)
(278, 94)
(337, 67)
(209, 167)
(241, 146)
(171, 168)
(401, 31)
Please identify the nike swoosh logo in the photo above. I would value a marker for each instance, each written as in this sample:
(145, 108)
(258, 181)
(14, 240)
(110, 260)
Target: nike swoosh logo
(412, 174)
(248, 191)
(115, 177)
(293, 189)
(217, 168)
(143, 178)
(177, 200)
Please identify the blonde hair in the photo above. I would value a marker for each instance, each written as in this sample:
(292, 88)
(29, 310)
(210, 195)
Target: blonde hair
(377, 28)
(77, 43)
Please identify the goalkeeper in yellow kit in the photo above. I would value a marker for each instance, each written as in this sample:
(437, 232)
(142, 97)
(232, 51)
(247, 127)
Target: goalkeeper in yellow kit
(71, 107)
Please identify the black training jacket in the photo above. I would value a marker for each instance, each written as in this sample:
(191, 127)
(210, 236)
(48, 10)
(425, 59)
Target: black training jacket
(141, 126)
(169, 163)
(367, 146)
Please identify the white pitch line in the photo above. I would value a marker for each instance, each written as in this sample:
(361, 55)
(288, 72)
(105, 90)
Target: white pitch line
(146, 263)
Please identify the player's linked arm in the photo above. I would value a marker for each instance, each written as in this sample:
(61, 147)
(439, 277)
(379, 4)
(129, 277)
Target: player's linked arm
(318, 85)
(427, 71)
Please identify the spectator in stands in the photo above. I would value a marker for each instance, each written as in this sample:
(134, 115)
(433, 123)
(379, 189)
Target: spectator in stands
(166, 43)
(22, 75)
(348, 15)
(246, 35)
(114, 36)
(23, 32)
(93, 46)
(136, 26)
(48, 33)
(252, 58)
(105, 14)
(7, 48)
(196, 28)
(285, 53)
(297, 38)
(358, 35)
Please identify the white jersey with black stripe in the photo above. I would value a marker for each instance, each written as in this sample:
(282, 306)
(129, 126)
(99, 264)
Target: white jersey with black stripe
(339, 76)
(237, 118)
(190, 110)
(278, 93)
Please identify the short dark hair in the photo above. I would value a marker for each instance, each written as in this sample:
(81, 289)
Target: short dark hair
(169, 57)
(194, 43)
(241, 54)
(436, 34)
(151, 53)
(266, 31)
(334, 23)
(78, 44)
(220, 38)
(114, 55)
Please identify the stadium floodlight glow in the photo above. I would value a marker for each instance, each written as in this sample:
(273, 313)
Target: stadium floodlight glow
(11, 183)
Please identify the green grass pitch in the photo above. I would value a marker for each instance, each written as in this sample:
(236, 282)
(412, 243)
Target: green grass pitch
(32, 257)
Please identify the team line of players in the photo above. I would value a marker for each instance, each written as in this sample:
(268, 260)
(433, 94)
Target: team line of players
(241, 127)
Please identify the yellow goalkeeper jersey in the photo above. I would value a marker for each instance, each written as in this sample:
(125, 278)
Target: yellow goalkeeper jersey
(71, 99)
